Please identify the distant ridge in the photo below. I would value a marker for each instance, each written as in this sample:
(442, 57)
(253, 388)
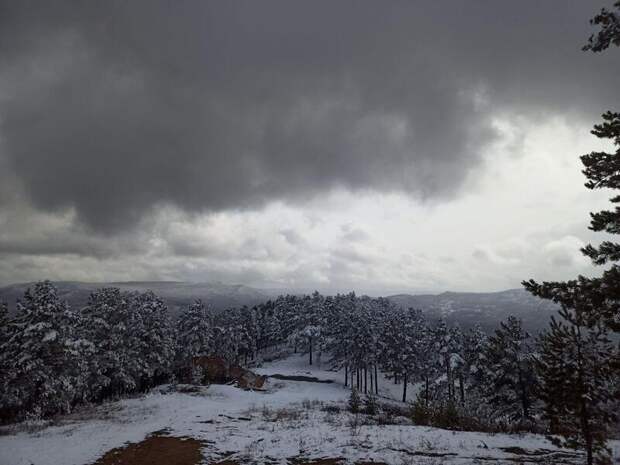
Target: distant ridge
(485, 308)
(176, 294)
(463, 308)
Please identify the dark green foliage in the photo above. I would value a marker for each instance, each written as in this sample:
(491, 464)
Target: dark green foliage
(371, 407)
(609, 34)
(447, 416)
(421, 413)
(355, 401)
(577, 363)
(451, 415)
(597, 298)
(576, 380)
(510, 384)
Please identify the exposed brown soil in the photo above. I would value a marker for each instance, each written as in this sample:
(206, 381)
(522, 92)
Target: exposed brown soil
(156, 450)
(159, 449)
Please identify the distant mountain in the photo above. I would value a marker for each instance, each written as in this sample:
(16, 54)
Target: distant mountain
(176, 294)
(464, 308)
(488, 309)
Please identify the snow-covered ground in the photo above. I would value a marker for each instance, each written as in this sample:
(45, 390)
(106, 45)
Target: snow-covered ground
(291, 418)
(298, 365)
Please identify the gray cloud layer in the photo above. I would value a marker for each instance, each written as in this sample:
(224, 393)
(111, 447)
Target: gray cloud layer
(114, 108)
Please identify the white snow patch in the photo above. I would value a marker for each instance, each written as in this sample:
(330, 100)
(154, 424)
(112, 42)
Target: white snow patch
(286, 420)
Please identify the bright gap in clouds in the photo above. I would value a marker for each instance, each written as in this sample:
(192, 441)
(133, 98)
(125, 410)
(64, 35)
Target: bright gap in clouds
(524, 215)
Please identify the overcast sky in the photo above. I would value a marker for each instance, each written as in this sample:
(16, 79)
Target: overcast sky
(374, 146)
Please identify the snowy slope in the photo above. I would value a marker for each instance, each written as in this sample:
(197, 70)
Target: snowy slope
(484, 308)
(289, 419)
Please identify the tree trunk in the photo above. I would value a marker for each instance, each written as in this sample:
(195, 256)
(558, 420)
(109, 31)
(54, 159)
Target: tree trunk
(365, 380)
(376, 381)
(426, 390)
(310, 351)
(584, 413)
(371, 383)
(346, 375)
(523, 395)
(449, 377)
(461, 388)
(405, 387)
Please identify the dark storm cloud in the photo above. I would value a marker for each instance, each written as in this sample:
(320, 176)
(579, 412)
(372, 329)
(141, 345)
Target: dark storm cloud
(115, 108)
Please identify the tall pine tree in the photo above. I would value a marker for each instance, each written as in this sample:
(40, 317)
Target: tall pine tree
(195, 331)
(42, 368)
(598, 296)
(510, 378)
(576, 348)
(575, 383)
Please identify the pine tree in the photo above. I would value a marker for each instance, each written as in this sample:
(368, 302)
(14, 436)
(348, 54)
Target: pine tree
(511, 379)
(404, 335)
(474, 352)
(590, 301)
(5, 361)
(355, 401)
(428, 362)
(4, 318)
(475, 343)
(575, 383)
(107, 323)
(600, 297)
(448, 346)
(610, 30)
(43, 374)
(153, 339)
(195, 331)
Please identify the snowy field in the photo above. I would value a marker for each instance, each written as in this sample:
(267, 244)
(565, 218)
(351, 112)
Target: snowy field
(291, 418)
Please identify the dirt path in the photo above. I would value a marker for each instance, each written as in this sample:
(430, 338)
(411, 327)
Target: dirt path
(156, 450)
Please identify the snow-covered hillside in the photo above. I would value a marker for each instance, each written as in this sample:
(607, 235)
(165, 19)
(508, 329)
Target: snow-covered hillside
(300, 419)
(484, 308)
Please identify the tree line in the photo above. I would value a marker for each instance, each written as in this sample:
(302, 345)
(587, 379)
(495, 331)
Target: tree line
(54, 358)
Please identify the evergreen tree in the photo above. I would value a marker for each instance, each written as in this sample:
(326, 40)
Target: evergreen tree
(609, 34)
(195, 331)
(106, 321)
(42, 370)
(404, 334)
(339, 339)
(511, 379)
(428, 362)
(588, 303)
(355, 401)
(575, 383)
(448, 346)
(153, 338)
(474, 352)
(5, 361)
(598, 296)
(475, 344)
(4, 318)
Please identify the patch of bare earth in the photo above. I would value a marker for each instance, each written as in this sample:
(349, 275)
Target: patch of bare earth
(156, 450)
